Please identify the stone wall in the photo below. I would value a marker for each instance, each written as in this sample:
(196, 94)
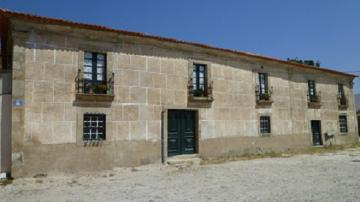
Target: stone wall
(151, 78)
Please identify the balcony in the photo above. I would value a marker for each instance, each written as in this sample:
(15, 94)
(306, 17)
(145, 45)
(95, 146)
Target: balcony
(342, 102)
(198, 97)
(314, 101)
(94, 92)
(263, 99)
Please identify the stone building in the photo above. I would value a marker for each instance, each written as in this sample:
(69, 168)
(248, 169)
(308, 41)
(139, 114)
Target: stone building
(358, 120)
(84, 97)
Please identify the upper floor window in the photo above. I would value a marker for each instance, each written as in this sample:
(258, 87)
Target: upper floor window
(312, 88)
(263, 93)
(199, 80)
(94, 127)
(341, 91)
(343, 124)
(94, 73)
(265, 127)
(263, 83)
(341, 95)
(312, 91)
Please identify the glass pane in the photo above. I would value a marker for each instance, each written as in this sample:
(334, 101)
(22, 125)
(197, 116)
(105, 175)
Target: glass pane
(100, 63)
(201, 74)
(100, 70)
(88, 62)
(87, 69)
(201, 81)
(201, 68)
(86, 136)
(88, 76)
(88, 55)
(262, 88)
(100, 56)
(100, 77)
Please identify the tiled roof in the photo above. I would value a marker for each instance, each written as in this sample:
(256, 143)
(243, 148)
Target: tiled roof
(54, 21)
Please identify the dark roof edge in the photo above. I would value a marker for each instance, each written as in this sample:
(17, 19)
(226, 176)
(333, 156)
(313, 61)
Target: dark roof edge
(46, 20)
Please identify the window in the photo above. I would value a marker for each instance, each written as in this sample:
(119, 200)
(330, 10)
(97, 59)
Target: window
(341, 94)
(263, 83)
(94, 73)
(343, 124)
(199, 80)
(94, 126)
(312, 91)
(265, 124)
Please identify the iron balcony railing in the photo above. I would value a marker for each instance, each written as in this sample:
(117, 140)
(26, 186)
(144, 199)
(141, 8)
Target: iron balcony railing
(342, 101)
(315, 98)
(86, 86)
(263, 96)
(206, 92)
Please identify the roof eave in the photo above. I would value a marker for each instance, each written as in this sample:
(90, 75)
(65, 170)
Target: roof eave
(46, 20)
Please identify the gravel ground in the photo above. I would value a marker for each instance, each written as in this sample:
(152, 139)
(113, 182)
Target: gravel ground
(318, 177)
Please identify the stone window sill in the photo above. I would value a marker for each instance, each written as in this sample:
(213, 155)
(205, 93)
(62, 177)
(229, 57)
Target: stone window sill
(263, 103)
(94, 97)
(202, 102)
(314, 105)
(343, 107)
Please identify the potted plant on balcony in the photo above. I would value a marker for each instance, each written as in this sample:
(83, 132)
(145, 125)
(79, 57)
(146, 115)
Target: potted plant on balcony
(100, 88)
(198, 92)
(266, 95)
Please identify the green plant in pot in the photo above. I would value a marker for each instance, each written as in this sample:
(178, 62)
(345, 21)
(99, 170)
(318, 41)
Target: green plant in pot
(265, 96)
(198, 92)
(100, 88)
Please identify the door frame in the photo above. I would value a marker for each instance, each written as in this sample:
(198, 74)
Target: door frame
(165, 129)
(321, 136)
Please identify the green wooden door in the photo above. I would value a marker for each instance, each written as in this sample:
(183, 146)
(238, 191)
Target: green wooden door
(181, 132)
(316, 132)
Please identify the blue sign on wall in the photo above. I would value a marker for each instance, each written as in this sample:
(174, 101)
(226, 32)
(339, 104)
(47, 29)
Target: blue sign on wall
(17, 103)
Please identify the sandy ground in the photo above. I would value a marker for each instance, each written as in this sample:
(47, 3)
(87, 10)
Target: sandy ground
(318, 177)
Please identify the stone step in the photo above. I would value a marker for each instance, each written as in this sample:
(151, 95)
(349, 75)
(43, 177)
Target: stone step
(183, 161)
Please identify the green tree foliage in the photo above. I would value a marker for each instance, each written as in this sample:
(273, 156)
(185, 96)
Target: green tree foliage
(305, 62)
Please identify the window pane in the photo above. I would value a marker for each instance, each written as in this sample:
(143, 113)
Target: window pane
(262, 83)
(100, 77)
(100, 70)
(341, 89)
(201, 81)
(94, 127)
(312, 88)
(100, 56)
(100, 63)
(88, 55)
(264, 124)
(87, 69)
(201, 68)
(343, 123)
(88, 76)
(88, 61)
(194, 73)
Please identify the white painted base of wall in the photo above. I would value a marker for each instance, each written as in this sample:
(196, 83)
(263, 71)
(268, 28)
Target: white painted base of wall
(3, 176)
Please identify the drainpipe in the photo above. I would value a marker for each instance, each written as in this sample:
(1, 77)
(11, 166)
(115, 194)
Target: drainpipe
(162, 137)
(5, 124)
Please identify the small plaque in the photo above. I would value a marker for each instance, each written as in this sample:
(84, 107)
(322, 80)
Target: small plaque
(18, 103)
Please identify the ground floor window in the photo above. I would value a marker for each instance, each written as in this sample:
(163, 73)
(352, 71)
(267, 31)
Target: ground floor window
(265, 125)
(343, 124)
(94, 127)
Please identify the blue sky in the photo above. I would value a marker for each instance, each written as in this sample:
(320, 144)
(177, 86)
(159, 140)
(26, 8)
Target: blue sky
(324, 30)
